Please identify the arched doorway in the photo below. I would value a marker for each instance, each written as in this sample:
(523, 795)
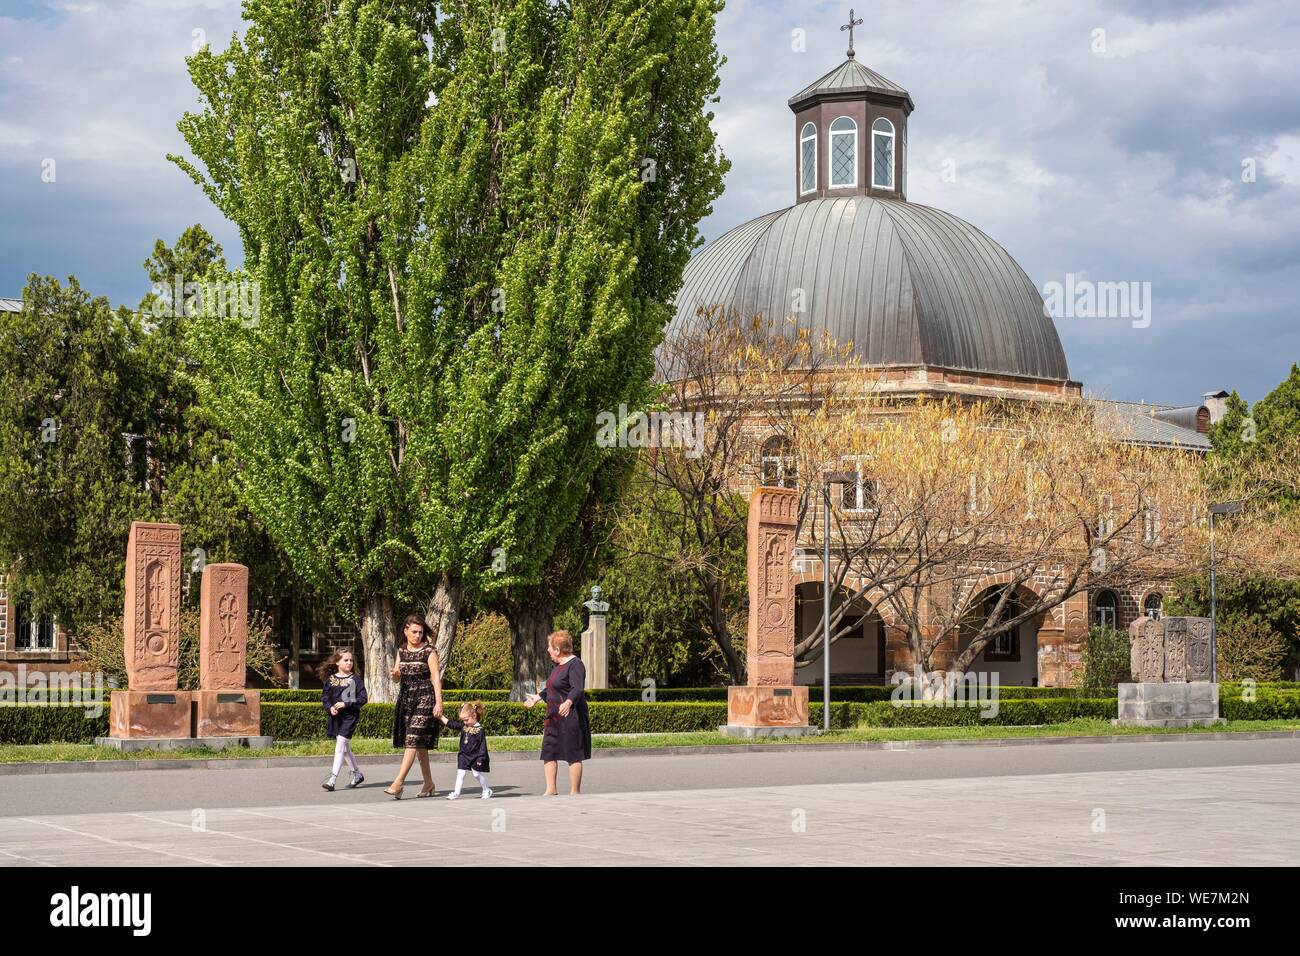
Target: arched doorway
(858, 656)
(1011, 658)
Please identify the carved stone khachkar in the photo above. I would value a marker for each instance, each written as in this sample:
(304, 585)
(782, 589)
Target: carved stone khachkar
(151, 627)
(151, 707)
(223, 627)
(152, 711)
(224, 707)
(1147, 650)
(1171, 664)
(770, 702)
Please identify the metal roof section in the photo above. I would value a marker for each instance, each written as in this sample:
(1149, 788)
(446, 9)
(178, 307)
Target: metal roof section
(1184, 416)
(907, 284)
(1142, 424)
(847, 78)
(11, 305)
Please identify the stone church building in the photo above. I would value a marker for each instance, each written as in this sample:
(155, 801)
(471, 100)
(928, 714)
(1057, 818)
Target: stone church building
(932, 306)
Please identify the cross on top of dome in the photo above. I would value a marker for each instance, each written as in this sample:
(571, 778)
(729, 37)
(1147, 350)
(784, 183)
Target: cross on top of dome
(849, 26)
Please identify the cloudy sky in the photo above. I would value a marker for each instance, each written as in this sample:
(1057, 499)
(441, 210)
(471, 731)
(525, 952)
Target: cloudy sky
(1137, 142)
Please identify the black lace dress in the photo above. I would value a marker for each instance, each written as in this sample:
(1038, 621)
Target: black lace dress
(413, 722)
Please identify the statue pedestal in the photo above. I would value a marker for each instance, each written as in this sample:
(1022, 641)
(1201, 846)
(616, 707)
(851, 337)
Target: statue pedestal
(226, 713)
(767, 711)
(1149, 704)
(595, 653)
(136, 714)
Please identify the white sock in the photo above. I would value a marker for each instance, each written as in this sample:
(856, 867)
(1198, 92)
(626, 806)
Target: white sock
(460, 780)
(481, 778)
(348, 755)
(340, 747)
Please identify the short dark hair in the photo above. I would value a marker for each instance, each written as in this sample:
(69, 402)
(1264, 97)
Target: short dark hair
(417, 619)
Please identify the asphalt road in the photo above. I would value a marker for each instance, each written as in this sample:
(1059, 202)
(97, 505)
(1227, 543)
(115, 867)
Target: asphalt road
(23, 795)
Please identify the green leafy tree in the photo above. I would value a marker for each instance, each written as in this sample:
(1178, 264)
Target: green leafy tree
(466, 232)
(1277, 414)
(1106, 659)
(1229, 435)
(70, 396)
(1251, 445)
(481, 659)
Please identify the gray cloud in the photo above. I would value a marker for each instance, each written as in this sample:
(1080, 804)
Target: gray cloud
(1123, 164)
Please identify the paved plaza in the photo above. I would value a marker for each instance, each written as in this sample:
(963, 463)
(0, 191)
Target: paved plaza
(1193, 803)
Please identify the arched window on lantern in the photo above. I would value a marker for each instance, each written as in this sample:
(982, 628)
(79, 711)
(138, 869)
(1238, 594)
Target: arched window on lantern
(808, 159)
(882, 154)
(777, 464)
(844, 153)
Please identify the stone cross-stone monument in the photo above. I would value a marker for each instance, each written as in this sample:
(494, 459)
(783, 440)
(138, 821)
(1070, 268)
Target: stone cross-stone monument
(1170, 662)
(151, 706)
(152, 712)
(595, 645)
(225, 707)
(770, 703)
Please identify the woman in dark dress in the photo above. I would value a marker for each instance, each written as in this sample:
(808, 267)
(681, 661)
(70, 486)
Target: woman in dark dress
(419, 704)
(566, 735)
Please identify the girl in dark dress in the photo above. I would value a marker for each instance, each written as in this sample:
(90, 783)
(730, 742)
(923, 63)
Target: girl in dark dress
(343, 694)
(566, 734)
(419, 704)
(473, 755)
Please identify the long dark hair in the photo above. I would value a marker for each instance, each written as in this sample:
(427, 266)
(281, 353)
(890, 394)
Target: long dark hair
(416, 619)
(330, 666)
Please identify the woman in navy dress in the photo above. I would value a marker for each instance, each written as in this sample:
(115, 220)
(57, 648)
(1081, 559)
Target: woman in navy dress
(566, 734)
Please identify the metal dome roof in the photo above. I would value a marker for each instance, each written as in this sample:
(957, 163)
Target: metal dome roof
(908, 285)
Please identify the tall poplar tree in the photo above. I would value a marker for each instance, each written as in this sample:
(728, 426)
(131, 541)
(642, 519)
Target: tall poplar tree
(467, 222)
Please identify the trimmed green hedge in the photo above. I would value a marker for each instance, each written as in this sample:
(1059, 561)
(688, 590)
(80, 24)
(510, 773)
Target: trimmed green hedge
(1010, 713)
(281, 695)
(1267, 705)
(669, 695)
(51, 724)
(70, 723)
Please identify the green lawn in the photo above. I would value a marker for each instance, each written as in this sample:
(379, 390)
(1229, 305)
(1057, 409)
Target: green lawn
(14, 753)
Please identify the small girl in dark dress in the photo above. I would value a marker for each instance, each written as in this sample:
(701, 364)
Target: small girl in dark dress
(342, 695)
(473, 754)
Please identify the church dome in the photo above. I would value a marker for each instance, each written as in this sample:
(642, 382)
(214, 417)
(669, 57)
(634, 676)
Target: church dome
(908, 285)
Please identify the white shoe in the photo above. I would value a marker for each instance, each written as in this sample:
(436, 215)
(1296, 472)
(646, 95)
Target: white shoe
(486, 793)
(453, 796)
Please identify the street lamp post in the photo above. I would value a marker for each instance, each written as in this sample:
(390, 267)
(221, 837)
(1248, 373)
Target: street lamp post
(1222, 508)
(828, 478)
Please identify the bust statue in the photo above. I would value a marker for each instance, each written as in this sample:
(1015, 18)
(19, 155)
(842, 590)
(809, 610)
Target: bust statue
(596, 606)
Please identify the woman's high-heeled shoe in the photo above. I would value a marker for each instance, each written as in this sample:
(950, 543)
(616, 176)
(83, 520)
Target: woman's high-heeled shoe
(395, 794)
(426, 793)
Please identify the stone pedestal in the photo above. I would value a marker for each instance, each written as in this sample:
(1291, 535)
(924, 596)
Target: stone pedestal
(1148, 704)
(595, 645)
(134, 714)
(770, 702)
(767, 711)
(223, 713)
